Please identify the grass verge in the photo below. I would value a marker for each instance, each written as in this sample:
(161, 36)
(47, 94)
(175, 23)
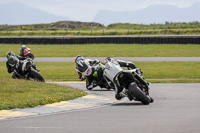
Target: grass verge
(22, 93)
(104, 50)
(99, 32)
(178, 71)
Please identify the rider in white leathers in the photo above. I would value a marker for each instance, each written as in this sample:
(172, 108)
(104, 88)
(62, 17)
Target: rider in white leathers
(117, 68)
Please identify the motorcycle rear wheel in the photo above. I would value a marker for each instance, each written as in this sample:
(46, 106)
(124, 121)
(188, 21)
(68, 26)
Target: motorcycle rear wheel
(139, 94)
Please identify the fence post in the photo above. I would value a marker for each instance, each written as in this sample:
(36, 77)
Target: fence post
(32, 28)
(10, 28)
(103, 28)
(91, 29)
(43, 30)
(193, 25)
(128, 27)
(6, 27)
(20, 29)
(166, 26)
(79, 27)
(63, 28)
(67, 28)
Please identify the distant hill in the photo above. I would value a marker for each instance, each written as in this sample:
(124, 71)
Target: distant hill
(18, 13)
(156, 13)
(59, 25)
(73, 24)
(67, 24)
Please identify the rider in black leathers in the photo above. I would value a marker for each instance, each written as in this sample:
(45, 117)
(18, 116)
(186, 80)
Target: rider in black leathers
(89, 68)
(14, 64)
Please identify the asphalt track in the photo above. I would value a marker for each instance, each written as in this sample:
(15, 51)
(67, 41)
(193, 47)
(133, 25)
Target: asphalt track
(176, 110)
(154, 59)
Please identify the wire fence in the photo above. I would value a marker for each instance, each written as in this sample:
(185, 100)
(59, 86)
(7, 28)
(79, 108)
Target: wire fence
(113, 29)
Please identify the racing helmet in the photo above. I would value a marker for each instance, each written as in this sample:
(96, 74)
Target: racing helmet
(26, 51)
(10, 54)
(109, 59)
(78, 58)
(23, 46)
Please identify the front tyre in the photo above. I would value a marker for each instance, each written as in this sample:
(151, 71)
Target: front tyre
(89, 87)
(36, 76)
(139, 94)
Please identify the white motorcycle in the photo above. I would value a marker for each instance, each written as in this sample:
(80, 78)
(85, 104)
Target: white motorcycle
(135, 86)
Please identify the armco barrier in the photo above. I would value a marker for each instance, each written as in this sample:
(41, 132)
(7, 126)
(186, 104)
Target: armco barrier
(103, 39)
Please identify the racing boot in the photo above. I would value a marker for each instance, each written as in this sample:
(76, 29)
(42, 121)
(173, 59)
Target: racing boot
(119, 96)
(119, 93)
(129, 95)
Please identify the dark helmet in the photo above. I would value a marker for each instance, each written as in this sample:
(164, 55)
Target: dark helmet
(10, 54)
(78, 58)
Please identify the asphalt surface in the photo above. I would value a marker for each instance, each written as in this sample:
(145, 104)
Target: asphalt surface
(176, 110)
(154, 59)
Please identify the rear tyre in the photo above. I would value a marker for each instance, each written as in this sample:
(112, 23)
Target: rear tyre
(139, 94)
(36, 76)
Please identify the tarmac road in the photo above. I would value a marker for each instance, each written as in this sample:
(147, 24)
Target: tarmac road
(176, 110)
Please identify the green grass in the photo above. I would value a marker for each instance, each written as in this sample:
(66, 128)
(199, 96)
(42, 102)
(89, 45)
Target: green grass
(100, 32)
(22, 93)
(191, 28)
(180, 71)
(104, 50)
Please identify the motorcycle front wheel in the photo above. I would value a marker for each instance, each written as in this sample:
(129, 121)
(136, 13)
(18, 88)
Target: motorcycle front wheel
(87, 85)
(139, 94)
(36, 76)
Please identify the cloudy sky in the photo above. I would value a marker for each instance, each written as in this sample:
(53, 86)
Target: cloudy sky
(85, 10)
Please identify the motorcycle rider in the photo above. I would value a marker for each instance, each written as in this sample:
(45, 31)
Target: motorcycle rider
(25, 52)
(127, 64)
(15, 65)
(118, 90)
(89, 68)
(121, 63)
